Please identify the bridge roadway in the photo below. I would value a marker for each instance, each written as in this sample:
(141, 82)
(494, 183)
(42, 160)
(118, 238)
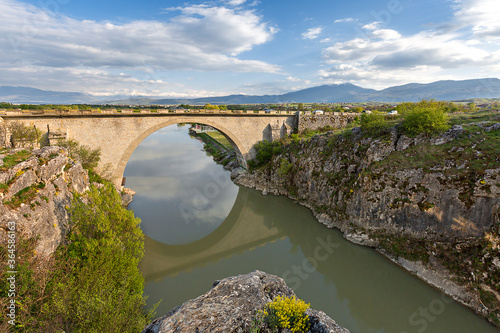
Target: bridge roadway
(118, 133)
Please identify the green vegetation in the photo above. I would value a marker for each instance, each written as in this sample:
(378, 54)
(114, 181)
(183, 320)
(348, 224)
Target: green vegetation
(266, 150)
(24, 196)
(100, 287)
(22, 135)
(209, 106)
(426, 117)
(375, 124)
(285, 167)
(286, 313)
(219, 137)
(92, 283)
(10, 160)
(88, 157)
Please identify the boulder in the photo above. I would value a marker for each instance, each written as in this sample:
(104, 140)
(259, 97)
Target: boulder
(231, 305)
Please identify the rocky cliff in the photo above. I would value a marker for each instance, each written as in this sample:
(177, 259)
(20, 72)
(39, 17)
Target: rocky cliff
(231, 306)
(36, 191)
(435, 201)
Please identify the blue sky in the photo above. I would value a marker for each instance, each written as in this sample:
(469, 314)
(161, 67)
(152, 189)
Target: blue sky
(207, 48)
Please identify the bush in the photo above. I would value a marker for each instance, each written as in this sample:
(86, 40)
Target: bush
(92, 283)
(265, 152)
(374, 124)
(24, 136)
(285, 167)
(98, 286)
(286, 312)
(425, 117)
(88, 157)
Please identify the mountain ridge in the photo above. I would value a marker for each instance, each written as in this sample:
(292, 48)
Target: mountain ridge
(328, 93)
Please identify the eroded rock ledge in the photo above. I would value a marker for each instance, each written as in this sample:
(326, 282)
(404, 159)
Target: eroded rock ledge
(230, 306)
(51, 177)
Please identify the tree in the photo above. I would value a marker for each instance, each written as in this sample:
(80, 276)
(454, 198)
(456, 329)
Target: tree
(300, 106)
(88, 157)
(209, 106)
(22, 135)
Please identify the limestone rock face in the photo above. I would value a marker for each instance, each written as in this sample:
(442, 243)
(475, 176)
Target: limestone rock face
(230, 306)
(340, 181)
(54, 178)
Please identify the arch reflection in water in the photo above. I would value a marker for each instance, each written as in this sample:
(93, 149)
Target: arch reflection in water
(356, 286)
(178, 186)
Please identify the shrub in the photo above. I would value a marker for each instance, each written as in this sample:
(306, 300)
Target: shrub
(92, 283)
(88, 157)
(285, 167)
(425, 119)
(374, 124)
(265, 152)
(286, 312)
(98, 286)
(24, 136)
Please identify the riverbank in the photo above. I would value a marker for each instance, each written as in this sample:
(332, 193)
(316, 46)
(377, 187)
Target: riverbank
(431, 204)
(220, 151)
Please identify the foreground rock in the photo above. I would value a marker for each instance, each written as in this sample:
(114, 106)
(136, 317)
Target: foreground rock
(230, 306)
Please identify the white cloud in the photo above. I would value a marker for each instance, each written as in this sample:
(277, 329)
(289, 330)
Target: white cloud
(344, 20)
(236, 2)
(371, 26)
(463, 48)
(200, 38)
(481, 15)
(312, 33)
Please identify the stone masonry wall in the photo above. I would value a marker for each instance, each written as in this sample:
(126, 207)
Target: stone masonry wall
(316, 121)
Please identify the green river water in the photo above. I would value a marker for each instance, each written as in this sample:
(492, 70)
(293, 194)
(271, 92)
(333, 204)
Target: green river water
(201, 227)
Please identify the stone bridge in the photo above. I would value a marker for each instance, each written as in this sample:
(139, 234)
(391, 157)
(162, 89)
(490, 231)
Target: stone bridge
(118, 132)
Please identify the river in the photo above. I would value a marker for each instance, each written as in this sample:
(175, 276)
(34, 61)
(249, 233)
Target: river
(201, 227)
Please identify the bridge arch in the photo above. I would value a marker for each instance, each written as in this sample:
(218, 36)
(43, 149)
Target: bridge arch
(237, 144)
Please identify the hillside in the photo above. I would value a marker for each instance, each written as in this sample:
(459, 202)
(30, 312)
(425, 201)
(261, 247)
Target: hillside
(333, 93)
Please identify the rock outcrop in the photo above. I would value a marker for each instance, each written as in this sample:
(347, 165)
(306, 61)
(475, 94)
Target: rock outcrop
(350, 182)
(231, 306)
(37, 193)
(434, 201)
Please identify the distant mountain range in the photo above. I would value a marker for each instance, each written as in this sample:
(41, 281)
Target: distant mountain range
(334, 93)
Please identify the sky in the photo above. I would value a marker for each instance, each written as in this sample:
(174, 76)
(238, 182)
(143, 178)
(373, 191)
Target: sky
(189, 49)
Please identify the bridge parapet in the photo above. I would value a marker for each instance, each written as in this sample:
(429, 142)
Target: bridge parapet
(128, 111)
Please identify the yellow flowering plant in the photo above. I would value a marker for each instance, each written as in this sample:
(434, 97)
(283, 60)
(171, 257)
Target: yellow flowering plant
(286, 312)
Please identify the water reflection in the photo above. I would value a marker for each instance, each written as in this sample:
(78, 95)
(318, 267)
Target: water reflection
(356, 286)
(181, 193)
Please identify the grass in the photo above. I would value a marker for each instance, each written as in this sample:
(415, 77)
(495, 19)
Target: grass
(24, 196)
(221, 139)
(475, 149)
(474, 117)
(10, 160)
